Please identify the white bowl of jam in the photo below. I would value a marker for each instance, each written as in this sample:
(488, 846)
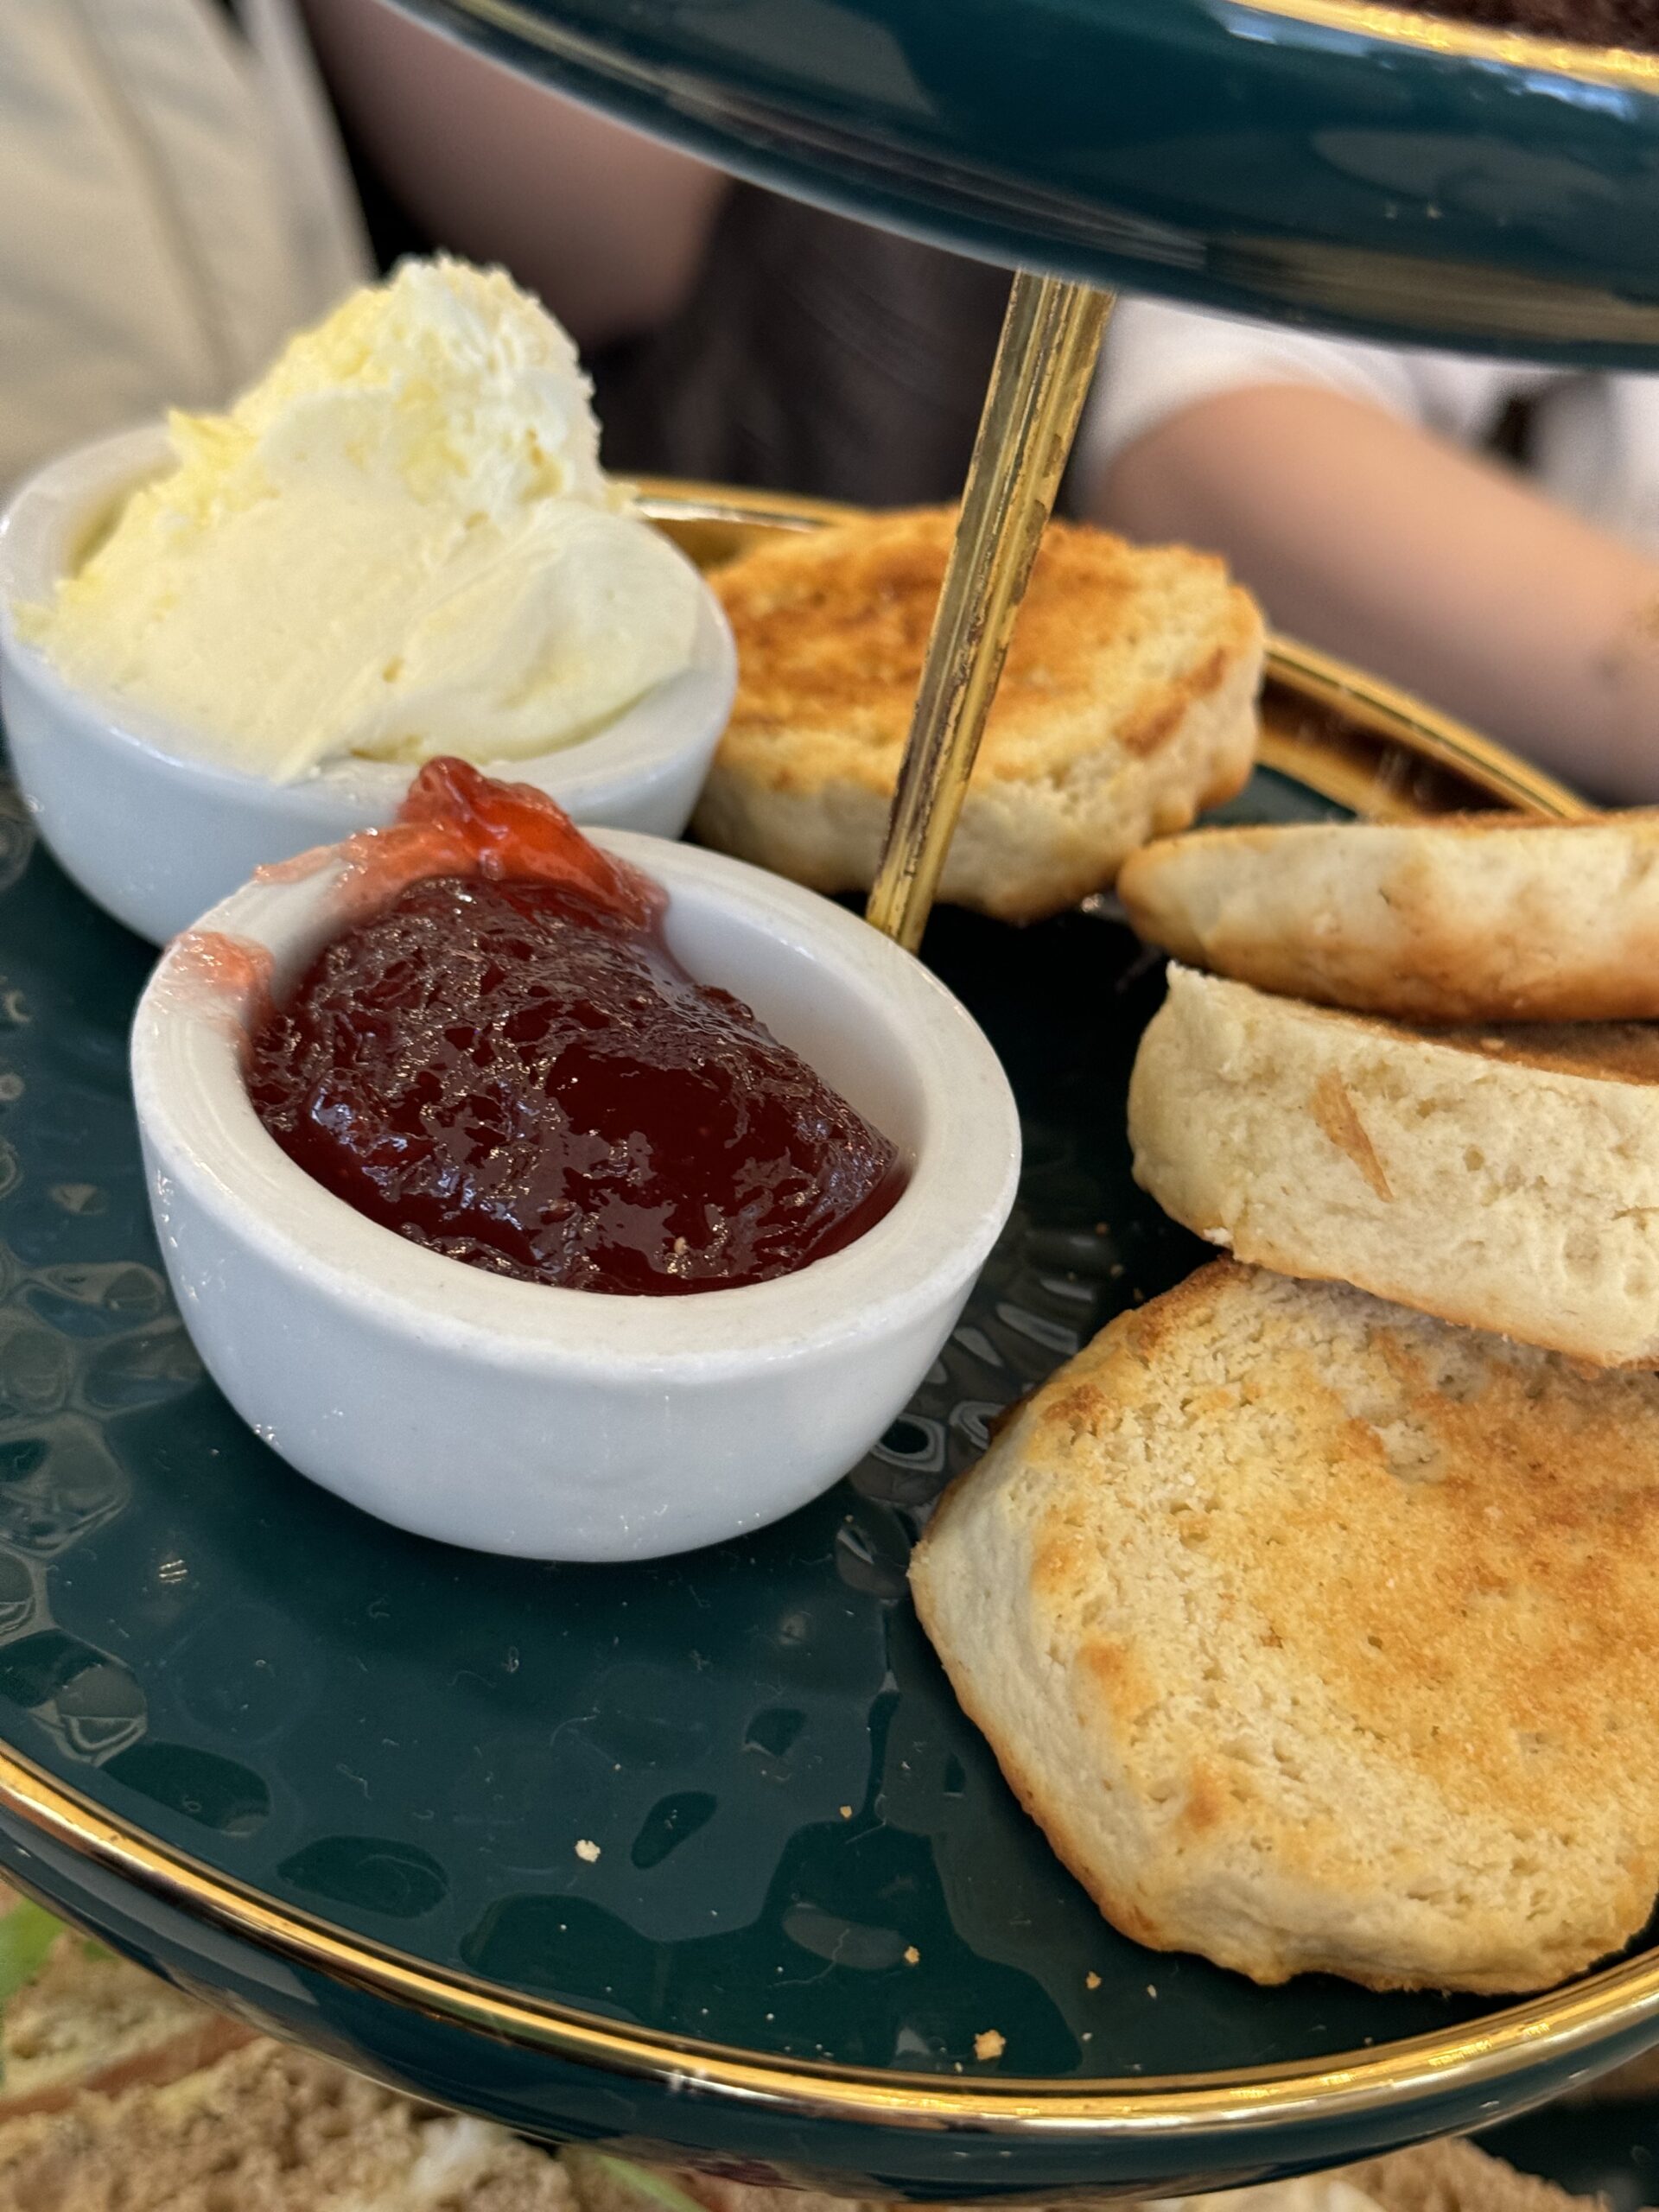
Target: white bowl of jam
(156, 836)
(781, 1211)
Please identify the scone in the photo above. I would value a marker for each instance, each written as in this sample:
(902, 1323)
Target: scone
(1481, 918)
(1128, 703)
(1506, 1177)
(1319, 1636)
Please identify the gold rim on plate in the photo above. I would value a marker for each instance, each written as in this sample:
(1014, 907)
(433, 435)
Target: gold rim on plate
(1620, 66)
(1551, 2030)
(1602, 65)
(1548, 2030)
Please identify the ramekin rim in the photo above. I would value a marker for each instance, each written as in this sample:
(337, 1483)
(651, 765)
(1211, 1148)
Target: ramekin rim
(933, 1237)
(100, 468)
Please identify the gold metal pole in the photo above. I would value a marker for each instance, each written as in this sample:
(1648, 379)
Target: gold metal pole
(1050, 341)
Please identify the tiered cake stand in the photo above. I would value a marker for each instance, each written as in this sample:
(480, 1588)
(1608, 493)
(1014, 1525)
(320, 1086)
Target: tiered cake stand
(336, 1778)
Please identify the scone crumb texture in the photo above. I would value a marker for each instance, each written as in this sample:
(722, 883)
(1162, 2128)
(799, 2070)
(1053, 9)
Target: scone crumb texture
(1317, 1635)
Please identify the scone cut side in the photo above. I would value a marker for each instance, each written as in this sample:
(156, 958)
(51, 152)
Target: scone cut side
(1128, 704)
(1315, 1634)
(1507, 1178)
(1471, 918)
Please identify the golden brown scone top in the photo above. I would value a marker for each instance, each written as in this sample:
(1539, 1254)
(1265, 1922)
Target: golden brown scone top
(1457, 1537)
(832, 626)
(1491, 916)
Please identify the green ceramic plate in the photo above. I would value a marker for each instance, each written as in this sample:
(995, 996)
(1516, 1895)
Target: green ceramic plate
(701, 1854)
(1360, 167)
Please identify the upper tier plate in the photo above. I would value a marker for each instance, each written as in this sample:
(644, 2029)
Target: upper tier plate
(339, 1778)
(1361, 167)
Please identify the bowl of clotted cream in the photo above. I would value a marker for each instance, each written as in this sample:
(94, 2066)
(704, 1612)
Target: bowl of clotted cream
(232, 637)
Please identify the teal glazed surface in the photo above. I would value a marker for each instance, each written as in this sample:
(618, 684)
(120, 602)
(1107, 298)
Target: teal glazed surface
(408, 1743)
(1225, 153)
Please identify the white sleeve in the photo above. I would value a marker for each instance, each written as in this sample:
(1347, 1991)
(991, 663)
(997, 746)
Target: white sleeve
(171, 209)
(330, 237)
(1159, 360)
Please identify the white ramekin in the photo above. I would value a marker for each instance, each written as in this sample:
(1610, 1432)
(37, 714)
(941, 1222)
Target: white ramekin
(156, 837)
(563, 1424)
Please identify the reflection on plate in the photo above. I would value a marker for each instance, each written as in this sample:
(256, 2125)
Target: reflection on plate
(700, 1854)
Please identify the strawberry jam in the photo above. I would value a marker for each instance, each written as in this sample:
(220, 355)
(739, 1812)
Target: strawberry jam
(504, 1063)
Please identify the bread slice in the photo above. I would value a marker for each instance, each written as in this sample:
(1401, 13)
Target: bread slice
(270, 2130)
(1443, 2176)
(88, 2020)
(1128, 703)
(1477, 917)
(1434, 2177)
(1504, 1177)
(1454, 2177)
(604, 2182)
(1319, 1635)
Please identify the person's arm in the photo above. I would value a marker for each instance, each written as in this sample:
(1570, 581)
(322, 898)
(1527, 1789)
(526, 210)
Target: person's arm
(607, 226)
(1442, 571)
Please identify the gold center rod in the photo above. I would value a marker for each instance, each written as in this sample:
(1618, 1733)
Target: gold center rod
(1045, 362)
